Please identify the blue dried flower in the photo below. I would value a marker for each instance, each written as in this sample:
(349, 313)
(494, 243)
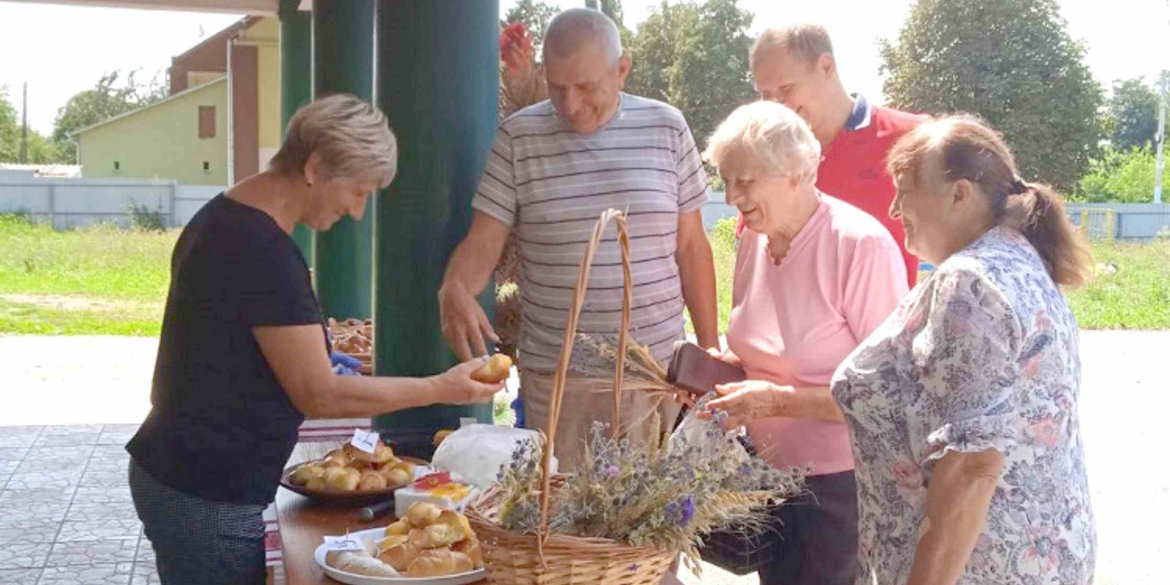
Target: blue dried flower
(688, 511)
(612, 470)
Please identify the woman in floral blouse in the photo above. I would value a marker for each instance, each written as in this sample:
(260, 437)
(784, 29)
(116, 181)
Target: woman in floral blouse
(963, 405)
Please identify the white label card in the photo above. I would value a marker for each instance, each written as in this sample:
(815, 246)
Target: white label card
(347, 542)
(365, 440)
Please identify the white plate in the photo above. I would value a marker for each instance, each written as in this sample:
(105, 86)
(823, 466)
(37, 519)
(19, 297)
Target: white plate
(369, 538)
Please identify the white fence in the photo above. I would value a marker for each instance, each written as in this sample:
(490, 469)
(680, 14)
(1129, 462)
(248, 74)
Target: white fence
(69, 203)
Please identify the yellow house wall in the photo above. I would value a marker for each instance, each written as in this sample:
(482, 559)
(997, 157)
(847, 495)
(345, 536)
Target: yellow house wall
(162, 141)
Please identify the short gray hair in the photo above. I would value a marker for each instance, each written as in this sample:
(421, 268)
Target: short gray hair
(806, 42)
(574, 27)
(351, 136)
(771, 133)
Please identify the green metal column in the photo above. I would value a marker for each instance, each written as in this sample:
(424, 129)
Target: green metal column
(438, 81)
(343, 62)
(296, 85)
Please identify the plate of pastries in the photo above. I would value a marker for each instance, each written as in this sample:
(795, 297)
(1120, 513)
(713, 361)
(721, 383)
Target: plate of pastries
(430, 545)
(347, 475)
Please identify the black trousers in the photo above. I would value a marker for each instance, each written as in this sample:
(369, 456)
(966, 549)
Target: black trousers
(818, 544)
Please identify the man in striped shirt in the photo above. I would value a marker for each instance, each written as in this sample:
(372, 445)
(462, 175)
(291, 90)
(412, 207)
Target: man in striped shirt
(553, 169)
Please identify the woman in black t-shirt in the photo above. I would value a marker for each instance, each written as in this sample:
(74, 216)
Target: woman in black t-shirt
(243, 356)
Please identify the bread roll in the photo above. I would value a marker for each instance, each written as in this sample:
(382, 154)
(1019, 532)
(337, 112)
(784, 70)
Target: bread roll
(342, 479)
(439, 562)
(399, 528)
(457, 522)
(471, 548)
(496, 370)
(422, 514)
(400, 555)
(396, 477)
(304, 473)
(317, 484)
(439, 536)
(391, 542)
(359, 563)
(336, 458)
(381, 453)
(371, 480)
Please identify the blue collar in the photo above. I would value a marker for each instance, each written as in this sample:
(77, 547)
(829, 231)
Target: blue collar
(861, 115)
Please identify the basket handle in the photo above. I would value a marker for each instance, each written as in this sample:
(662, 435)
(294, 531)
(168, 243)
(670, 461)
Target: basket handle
(562, 372)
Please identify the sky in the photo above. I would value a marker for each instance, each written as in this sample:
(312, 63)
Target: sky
(61, 50)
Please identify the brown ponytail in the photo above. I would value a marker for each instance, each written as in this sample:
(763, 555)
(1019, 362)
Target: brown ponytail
(1039, 214)
(968, 149)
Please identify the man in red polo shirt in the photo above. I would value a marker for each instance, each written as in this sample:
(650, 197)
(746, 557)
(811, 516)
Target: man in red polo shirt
(794, 65)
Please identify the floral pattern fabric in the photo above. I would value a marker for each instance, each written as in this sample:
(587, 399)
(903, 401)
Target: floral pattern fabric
(981, 355)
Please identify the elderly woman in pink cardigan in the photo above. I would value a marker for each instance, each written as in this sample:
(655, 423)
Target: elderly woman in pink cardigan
(814, 276)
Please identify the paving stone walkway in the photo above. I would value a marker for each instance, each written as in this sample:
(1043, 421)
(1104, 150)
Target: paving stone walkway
(66, 517)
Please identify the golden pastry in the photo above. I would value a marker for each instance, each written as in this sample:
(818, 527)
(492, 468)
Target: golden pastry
(342, 479)
(405, 466)
(471, 548)
(381, 454)
(422, 514)
(371, 480)
(440, 436)
(399, 556)
(317, 484)
(396, 477)
(437, 536)
(496, 370)
(391, 542)
(439, 562)
(336, 457)
(399, 528)
(457, 522)
(304, 473)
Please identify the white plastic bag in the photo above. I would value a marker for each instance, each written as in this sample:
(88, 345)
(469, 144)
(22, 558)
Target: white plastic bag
(477, 452)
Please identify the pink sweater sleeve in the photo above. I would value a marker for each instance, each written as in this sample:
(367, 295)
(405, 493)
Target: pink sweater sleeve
(874, 285)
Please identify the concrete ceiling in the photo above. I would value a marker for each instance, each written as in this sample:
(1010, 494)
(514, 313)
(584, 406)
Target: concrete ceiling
(257, 7)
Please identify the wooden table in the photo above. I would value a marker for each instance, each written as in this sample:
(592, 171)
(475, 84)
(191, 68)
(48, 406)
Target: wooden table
(303, 526)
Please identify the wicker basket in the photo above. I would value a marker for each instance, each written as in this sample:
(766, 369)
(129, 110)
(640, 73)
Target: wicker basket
(513, 558)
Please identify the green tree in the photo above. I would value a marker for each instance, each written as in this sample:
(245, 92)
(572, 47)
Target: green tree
(611, 8)
(1132, 114)
(1011, 62)
(104, 101)
(1122, 176)
(9, 128)
(694, 56)
(535, 14)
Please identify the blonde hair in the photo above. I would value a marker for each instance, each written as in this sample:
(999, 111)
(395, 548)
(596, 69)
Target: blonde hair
(963, 147)
(771, 133)
(805, 42)
(352, 138)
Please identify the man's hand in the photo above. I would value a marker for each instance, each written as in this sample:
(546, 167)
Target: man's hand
(465, 325)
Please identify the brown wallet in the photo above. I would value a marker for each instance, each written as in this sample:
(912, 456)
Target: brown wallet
(696, 371)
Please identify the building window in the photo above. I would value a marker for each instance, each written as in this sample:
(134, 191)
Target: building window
(207, 121)
(206, 167)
